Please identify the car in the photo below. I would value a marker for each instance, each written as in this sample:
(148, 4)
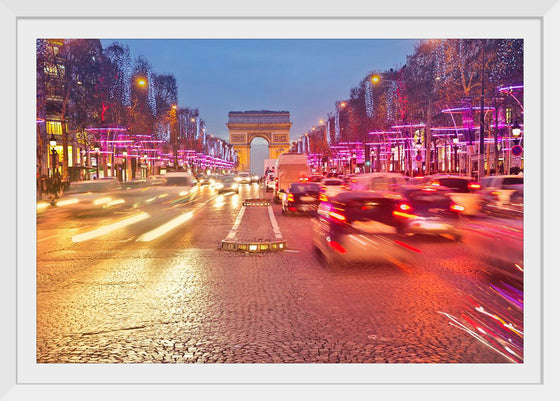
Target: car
(464, 190)
(315, 178)
(180, 184)
(203, 179)
(244, 178)
(496, 191)
(301, 198)
(331, 187)
(429, 210)
(97, 193)
(359, 226)
(269, 182)
(227, 183)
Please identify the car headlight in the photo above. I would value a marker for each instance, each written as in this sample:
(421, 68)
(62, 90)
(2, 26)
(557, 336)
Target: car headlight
(234, 186)
(219, 185)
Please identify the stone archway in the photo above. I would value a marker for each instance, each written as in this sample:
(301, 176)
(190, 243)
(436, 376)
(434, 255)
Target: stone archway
(272, 126)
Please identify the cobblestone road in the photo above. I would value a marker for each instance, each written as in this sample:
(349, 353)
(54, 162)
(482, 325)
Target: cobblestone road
(181, 299)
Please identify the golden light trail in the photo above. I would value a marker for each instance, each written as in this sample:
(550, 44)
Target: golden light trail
(42, 205)
(67, 202)
(101, 201)
(115, 202)
(109, 228)
(163, 229)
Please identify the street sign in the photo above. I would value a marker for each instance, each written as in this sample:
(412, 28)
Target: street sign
(516, 150)
(418, 158)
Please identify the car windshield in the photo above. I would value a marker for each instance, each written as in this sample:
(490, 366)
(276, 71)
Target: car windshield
(425, 199)
(305, 188)
(364, 209)
(455, 184)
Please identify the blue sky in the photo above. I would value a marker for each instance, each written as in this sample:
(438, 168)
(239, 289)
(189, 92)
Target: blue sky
(303, 76)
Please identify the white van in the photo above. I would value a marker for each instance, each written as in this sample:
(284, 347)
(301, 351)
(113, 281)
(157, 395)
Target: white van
(378, 182)
(290, 167)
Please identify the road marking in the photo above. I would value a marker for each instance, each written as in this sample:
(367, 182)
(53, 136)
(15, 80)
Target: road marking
(44, 239)
(233, 230)
(111, 227)
(275, 227)
(163, 229)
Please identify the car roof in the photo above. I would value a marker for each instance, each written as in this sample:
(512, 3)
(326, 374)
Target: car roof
(178, 174)
(357, 195)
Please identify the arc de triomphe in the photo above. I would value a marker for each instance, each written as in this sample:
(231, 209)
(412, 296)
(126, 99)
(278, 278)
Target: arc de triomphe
(244, 126)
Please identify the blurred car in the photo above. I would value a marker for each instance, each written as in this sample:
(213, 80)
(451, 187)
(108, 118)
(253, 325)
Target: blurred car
(244, 178)
(359, 226)
(180, 184)
(429, 210)
(498, 241)
(331, 187)
(315, 178)
(269, 182)
(203, 179)
(377, 182)
(227, 183)
(91, 193)
(155, 180)
(464, 190)
(496, 191)
(301, 198)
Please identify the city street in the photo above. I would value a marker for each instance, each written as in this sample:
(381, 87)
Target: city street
(130, 293)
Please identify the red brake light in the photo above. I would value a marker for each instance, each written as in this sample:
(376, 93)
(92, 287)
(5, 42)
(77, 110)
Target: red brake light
(303, 179)
(337, 246)
(474, 185)
(435, 183)
(290, 198)
(457, 208)
(323, 198)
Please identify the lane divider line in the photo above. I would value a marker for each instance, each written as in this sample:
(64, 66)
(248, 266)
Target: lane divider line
(275, 227)
(163, 229)
(109, 228)
(233, 230)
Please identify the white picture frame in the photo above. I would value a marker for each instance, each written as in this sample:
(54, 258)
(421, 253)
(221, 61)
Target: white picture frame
(539, 386)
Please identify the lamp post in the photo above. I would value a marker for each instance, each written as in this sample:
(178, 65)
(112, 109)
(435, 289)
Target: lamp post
(455, 147)
(96, 149)
(125, 165)
(52, 143)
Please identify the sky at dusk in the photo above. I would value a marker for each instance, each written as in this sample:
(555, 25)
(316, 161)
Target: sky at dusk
(303, 76)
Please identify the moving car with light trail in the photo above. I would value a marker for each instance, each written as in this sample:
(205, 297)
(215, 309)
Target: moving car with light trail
(180, 186)
(101, 193)
(331, 187)
(463, 190)
(360, 226)
(244, 177)
(227, 183)
(301, 198)
(429, 210)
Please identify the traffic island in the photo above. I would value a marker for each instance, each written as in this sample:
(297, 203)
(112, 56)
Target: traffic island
(255, 229)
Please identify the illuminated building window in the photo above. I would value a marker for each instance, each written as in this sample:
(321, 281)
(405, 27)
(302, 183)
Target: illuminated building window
(508, 115)
(54, 127)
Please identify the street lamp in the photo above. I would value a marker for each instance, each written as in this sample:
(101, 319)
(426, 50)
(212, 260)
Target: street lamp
(52, 142)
